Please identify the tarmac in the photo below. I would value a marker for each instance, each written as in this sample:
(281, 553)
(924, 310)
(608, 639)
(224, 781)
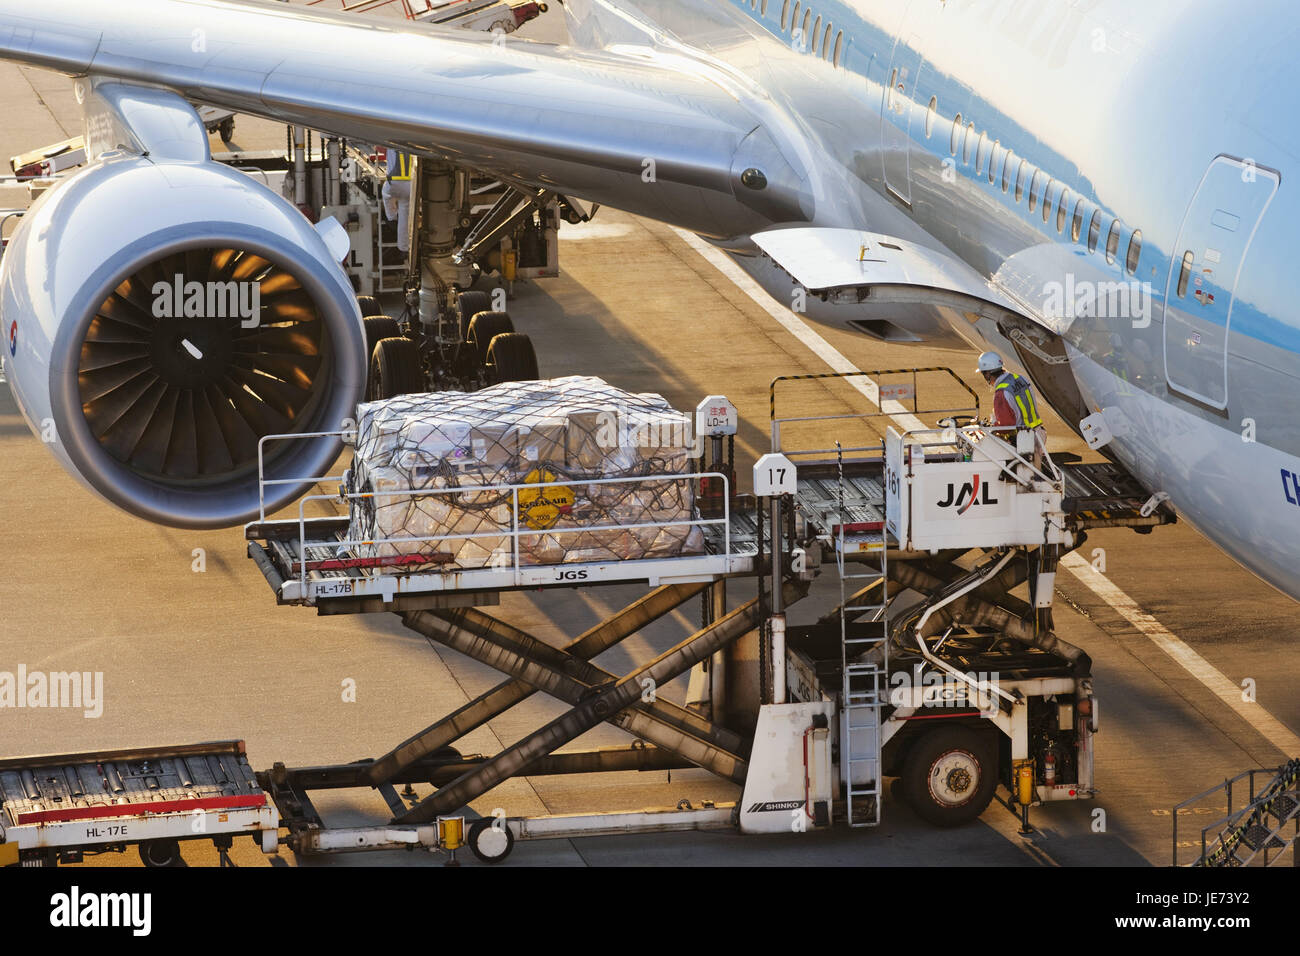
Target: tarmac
(192, 646)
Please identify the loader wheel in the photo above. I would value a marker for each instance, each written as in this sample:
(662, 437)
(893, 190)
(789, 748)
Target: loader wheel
(369, 305)
(488, 844)
(468, 305)
(511, 358)
(395, 369)
(949, 775)
(161, 854)
(226, 130)
(378, 328)
(483, 328)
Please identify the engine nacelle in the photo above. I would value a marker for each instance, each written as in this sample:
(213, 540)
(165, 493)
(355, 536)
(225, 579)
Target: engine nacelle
(160, 318)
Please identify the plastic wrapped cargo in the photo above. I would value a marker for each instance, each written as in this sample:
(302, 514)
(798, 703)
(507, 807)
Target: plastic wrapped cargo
(560, 439)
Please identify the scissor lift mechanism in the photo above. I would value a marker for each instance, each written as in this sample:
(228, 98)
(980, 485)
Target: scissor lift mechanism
(838, 508)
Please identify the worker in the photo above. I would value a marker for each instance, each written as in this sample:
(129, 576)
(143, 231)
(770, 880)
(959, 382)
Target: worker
(397, 196)
(1014, 409)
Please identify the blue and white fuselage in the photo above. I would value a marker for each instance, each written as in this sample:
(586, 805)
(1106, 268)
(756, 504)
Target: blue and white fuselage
(1068, 154)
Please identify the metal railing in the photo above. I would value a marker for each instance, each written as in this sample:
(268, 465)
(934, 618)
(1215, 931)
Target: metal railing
(970, 440)
(519, 527)
(1238, 830)
(514, 533)
(890, 397)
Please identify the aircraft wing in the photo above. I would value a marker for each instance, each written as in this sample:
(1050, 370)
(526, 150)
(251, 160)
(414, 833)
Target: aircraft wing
(644, 129)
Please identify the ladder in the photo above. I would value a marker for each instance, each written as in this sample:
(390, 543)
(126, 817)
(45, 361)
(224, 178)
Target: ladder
(864, 633)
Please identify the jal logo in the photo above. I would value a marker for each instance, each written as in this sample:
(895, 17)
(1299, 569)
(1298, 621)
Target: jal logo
(1291, 486)
(13, 337)
(970, 493)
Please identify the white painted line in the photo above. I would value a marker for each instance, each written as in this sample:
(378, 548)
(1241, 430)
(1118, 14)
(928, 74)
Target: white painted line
(1268, 726)
(797, 327)
(1272, 729)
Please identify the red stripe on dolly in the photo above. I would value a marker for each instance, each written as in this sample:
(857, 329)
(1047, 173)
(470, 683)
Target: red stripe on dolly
(963, 713)
(128, 809)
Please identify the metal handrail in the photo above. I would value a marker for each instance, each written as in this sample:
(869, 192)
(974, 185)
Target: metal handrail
(965, 435)
(515, 532)
(871, 376)
(263, 481)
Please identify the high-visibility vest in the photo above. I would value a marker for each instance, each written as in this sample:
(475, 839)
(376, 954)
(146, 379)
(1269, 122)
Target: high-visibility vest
(403, 170)
(1021, 397)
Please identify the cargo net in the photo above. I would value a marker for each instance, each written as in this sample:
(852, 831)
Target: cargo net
(556, 437)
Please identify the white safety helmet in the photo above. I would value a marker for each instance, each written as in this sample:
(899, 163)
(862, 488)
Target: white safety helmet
(990, 362)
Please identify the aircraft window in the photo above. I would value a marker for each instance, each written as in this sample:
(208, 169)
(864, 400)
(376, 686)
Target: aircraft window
(1112, 241)
(812, 37)
(763, 8)
(1134, 252)
(1185, 273)
(998, 157)
(1021, 175)
(1094, 231)
(970, 142)
(955, 141)
(1062, 210)
(982, 154)
(1033, 189)
(794, 20)
(1047, 199)
(785, 15)
(1006, 170)
(826, 43)
(931, 113)
(803, 40)
(839, 46)
(1076, 225)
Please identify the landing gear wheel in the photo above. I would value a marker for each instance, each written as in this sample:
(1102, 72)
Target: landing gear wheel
(226, 129)
(483, 328)
(378, 328)
(490, 844)
(468, 305)
(369, 305)
(511, 358)
(164, 854)
(950, 775)
(394, 369)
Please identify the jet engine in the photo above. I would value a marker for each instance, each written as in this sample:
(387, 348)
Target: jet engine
(160, 319)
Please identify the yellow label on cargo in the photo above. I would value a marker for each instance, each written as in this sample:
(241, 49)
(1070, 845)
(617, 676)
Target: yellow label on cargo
(540, 508)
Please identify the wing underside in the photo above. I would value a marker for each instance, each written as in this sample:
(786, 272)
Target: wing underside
(638, 129)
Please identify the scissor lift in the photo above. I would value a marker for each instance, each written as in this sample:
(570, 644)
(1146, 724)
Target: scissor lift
(811, 732)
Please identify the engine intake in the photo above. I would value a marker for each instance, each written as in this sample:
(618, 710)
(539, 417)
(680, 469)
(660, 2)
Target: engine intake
(168, 316)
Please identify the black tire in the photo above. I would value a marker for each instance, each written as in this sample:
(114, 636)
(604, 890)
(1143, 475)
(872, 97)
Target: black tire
(488, 844)
(395, 369)
(950, 774)
(511, 358)
(369, 305)
(483, 328)
(468, 305)
(378, 328)
(226, 129)
(161, 854)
